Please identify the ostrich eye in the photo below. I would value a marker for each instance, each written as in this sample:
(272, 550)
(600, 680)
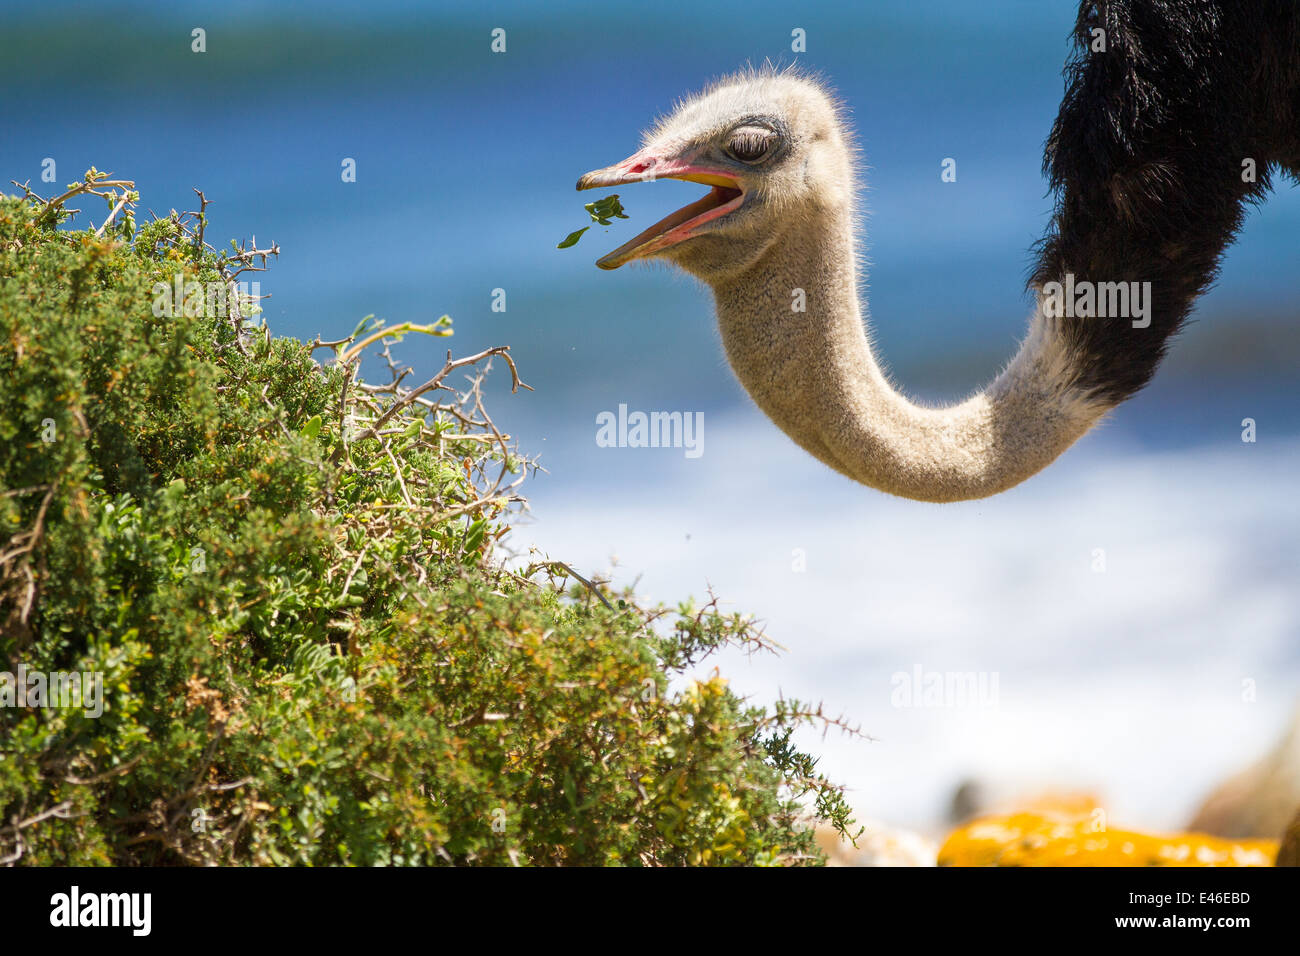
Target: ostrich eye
(749, 144)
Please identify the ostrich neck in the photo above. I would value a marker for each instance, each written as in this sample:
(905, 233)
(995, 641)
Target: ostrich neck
(814, 374)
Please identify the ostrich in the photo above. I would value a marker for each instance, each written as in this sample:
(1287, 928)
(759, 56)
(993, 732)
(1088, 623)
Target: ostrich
(1148, 157)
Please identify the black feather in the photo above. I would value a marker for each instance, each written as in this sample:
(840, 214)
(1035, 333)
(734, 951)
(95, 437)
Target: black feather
(1146, 158)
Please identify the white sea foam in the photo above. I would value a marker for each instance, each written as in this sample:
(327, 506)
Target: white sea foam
(1129, 680)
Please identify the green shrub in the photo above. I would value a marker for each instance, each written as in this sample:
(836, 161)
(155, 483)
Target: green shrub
(286, 579)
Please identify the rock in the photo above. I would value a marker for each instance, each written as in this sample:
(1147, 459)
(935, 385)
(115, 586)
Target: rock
(1064, 839)
(1289, 854)
(1258, 801)
(880, 845)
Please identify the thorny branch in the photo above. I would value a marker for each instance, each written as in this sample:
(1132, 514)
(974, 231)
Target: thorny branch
(14, 831)
(92, 185)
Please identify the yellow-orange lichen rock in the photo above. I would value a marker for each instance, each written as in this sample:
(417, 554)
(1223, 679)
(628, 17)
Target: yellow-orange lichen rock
(1059, 839)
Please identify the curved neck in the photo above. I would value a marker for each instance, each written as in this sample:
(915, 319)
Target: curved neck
(813, 373)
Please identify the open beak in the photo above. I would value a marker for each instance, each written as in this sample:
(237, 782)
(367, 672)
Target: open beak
(649, 165)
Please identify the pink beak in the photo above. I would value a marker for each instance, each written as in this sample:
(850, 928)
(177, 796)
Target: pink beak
(648, 165)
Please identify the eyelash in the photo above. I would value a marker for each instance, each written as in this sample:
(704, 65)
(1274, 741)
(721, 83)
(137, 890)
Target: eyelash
(750, 146)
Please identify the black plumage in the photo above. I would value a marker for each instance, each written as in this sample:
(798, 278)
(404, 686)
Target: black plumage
(1146, 158)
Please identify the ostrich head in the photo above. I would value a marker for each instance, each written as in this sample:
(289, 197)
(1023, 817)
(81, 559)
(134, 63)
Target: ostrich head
(773, 149)
(775, 239)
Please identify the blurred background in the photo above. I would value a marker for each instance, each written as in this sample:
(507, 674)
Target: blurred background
(1144, 678)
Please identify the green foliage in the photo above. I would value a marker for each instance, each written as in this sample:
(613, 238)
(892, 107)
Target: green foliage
(572, 238)
(602, 211)
(285, 577)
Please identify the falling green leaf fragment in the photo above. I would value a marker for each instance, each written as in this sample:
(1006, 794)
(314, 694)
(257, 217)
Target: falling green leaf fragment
(601, 211)
(604, 209)
(572, 238)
